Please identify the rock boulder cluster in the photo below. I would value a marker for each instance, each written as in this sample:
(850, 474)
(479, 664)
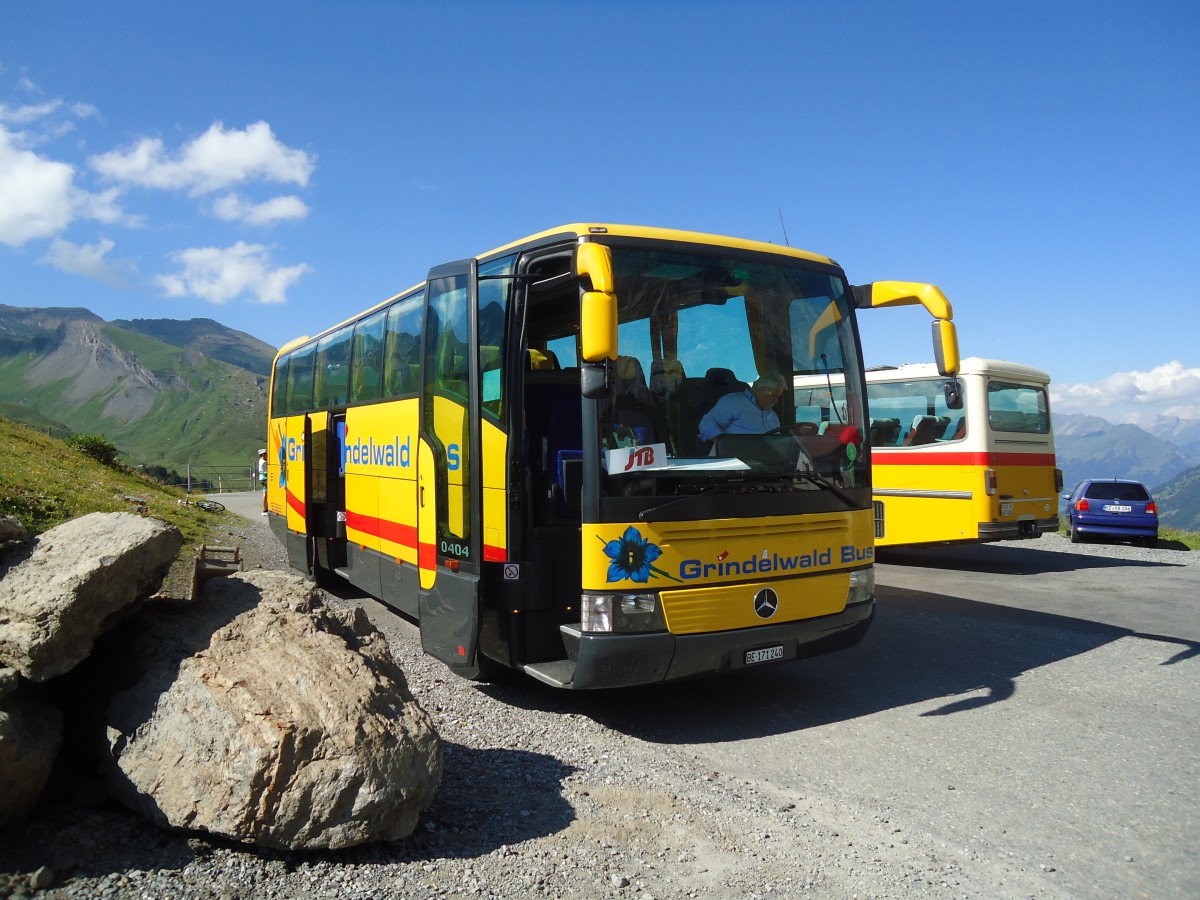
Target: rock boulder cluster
(254, 712)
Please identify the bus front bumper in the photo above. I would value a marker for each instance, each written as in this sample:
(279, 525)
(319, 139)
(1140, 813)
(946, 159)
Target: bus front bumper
(625, 660)
(1019, 530)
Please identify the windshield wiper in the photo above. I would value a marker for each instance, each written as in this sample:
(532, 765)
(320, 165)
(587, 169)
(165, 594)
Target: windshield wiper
(820, 480)
(645, 514)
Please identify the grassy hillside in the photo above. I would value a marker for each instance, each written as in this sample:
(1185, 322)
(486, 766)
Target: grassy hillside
(44, 483)
(1179, 501)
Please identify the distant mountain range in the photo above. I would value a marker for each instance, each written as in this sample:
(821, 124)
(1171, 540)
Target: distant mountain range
(1165, 457)
(165, 392)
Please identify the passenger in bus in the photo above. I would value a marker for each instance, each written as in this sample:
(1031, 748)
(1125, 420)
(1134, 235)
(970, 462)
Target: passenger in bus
(748, 412)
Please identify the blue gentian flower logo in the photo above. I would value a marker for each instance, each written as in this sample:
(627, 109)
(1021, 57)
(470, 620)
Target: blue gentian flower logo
(631, 557)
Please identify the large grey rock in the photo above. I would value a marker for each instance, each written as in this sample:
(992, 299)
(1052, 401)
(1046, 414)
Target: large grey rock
(78, 580)
(265, 717)
(30, 735)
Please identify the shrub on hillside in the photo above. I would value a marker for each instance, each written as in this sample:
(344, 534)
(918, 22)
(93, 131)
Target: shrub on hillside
(96, 446)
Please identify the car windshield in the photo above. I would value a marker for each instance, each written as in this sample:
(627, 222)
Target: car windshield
(1116, 490)
(709, 347)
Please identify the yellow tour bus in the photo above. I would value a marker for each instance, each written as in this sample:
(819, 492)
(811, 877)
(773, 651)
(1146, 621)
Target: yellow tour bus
(962, 458)
(509, 455)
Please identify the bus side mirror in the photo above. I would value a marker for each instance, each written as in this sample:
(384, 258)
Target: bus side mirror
(945, 347)
(598, 327)
(954, 399)
(593, 379)
(598, 306)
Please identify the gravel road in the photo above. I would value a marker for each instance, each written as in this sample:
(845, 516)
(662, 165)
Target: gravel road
(544, 795)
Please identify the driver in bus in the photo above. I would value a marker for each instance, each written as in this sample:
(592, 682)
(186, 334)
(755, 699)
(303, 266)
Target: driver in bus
(749, 412)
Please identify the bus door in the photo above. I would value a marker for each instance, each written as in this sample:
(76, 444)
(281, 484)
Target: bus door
(325, 491)
(449, 470)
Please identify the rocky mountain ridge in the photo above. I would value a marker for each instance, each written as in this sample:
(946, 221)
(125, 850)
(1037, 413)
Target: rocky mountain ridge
(166, 392)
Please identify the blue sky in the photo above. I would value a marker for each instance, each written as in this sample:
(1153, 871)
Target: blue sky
(281, 166)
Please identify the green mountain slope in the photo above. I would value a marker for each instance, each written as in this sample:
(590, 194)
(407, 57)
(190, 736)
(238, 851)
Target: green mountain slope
(210, 337)
(1179, 501)
(1091, 447)
(160, 403)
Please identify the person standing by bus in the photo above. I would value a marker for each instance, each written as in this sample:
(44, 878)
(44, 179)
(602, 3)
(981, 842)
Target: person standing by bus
(262, 477)
(746, 412)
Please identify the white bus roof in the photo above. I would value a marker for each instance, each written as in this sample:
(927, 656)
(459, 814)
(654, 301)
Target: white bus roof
(971, 365)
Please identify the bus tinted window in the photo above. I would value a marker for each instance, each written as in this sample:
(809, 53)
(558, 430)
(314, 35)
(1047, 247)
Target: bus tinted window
(1018, 407)
(493, 312)
(448, 337)
(332, 371)
(300, 380)
(402, 347)
(279, 388)
(366, 359)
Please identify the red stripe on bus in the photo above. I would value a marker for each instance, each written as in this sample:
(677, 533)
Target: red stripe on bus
(386, 529)
(406, 535)
(918, 458)
(295, 502)
(427, 556)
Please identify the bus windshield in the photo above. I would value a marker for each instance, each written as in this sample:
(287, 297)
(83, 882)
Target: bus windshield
(708, 345)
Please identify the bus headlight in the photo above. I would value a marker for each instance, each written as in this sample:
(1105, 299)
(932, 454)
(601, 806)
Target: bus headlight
(621, 613)
(862, 586)
(596, 613)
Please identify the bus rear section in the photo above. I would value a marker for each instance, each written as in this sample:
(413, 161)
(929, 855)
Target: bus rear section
(514, 456)
(966, 459)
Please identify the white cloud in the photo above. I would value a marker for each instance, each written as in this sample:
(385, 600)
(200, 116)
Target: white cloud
(1171, 389)
(35, 194)
(38, 196)
(87, 260)
(220, 274)
(214, 161)
(24, 115)
(233, 208)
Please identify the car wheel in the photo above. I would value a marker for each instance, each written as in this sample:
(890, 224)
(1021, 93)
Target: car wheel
(1150, 542)
(1076, 537)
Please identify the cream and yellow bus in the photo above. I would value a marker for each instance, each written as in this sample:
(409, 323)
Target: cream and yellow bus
(509, 455)
(955, 458)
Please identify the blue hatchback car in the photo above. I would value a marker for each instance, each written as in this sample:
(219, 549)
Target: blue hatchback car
(1111, 508)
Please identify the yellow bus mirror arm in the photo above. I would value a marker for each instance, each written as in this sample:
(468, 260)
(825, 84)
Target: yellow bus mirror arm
(595, 262)
(880, 294)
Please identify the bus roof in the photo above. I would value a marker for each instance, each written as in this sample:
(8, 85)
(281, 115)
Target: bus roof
(589, 229)
(971, 365)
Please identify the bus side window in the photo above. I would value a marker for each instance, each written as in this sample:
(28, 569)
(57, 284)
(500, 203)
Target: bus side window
(402, 347)
(884, 432)
(332, 374)
(366, 365)
(300, 381)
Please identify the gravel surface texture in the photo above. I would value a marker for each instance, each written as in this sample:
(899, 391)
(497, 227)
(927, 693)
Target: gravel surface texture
(541, 798)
